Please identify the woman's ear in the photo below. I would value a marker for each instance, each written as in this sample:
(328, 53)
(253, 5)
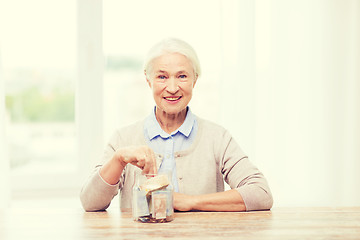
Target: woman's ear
(196, 77)
(147, 79)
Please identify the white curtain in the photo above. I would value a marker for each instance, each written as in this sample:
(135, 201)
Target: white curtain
(291, 96)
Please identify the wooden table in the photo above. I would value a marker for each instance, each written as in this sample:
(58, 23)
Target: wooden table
(280, 223)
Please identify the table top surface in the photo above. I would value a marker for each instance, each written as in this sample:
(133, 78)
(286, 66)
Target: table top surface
(280, 223)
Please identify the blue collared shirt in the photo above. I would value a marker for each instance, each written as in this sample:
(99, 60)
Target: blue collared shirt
(168, 144)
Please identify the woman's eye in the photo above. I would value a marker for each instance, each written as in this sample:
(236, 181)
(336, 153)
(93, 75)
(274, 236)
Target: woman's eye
(182, 76)
(161, 77)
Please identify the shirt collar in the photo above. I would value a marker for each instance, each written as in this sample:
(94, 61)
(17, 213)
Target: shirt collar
(153, 129)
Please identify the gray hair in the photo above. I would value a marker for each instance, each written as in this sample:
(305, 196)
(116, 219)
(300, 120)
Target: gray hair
(172, 45)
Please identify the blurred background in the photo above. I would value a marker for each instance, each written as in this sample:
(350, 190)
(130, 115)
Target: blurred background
(283, 76)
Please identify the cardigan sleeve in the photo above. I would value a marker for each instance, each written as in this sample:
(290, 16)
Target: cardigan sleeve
(243, 176)
(96, 194)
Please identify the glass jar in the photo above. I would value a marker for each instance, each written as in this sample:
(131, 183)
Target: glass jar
(152, 200)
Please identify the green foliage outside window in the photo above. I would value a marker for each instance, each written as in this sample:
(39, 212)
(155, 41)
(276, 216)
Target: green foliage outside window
(32, 105)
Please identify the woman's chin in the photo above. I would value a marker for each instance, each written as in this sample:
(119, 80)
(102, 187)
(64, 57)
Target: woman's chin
(172, 110)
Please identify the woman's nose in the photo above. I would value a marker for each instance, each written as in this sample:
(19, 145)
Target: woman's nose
(172, 85)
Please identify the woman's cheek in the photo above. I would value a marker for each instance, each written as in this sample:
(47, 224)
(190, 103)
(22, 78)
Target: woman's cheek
(186, 85)
(158, 87)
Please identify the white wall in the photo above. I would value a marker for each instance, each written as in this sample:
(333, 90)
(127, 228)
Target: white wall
(302, 123)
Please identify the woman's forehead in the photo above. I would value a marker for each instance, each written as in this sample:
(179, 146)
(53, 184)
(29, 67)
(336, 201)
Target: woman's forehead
(171, 61)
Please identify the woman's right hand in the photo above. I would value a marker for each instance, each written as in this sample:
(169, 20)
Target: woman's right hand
(142, 157)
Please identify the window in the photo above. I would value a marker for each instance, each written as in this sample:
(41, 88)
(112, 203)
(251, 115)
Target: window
(38, 53)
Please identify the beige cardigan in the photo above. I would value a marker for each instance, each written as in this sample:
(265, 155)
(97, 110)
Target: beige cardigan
(213, 157)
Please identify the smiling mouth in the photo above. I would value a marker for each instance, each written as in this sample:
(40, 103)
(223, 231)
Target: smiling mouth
(172, 98)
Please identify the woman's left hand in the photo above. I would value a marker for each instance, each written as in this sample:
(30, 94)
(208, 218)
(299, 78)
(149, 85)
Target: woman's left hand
(228, 201)
(183, 202)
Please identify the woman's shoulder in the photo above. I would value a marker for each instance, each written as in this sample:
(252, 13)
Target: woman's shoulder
(136, 127)
(211, 128)
(212, 135)
(129, 133)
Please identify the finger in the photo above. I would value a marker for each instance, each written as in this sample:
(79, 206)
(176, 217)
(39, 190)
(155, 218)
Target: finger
(148, 167)
(140, 164)
(137, 162)
(151, 161)
(154, 165)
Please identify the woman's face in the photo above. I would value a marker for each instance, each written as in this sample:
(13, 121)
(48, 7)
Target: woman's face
(172, 80)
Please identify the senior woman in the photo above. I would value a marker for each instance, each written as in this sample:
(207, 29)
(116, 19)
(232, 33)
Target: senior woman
(200, 154)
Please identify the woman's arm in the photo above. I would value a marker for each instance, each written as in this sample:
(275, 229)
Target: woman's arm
(104, 183)
(139, 156)
(228, 201)
(244, 177)
(249, 188)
